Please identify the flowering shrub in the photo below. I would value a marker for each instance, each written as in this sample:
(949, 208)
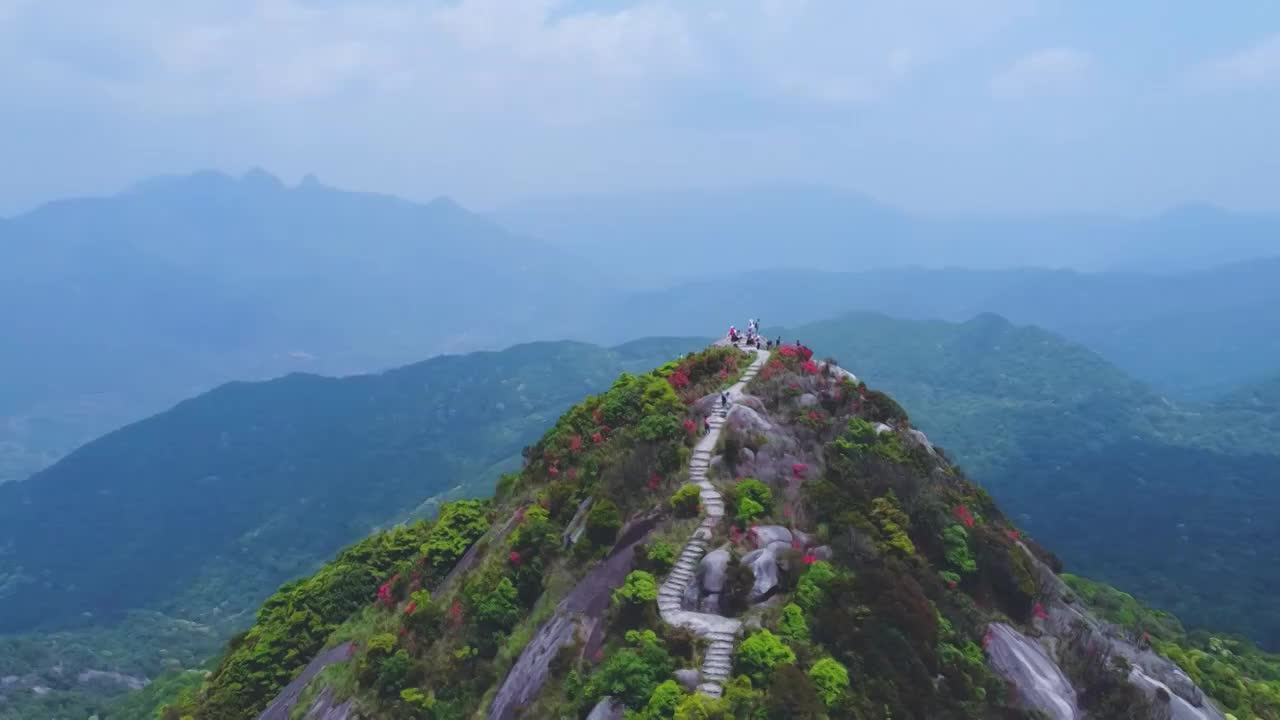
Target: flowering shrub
(678, 380)
(798, 470)
(809, 367)
(962, 512)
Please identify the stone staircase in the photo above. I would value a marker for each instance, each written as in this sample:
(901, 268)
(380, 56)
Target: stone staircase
(720, 631)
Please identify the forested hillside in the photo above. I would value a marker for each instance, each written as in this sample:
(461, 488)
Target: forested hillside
(191, 517)
(802, 552)
(1170, 501)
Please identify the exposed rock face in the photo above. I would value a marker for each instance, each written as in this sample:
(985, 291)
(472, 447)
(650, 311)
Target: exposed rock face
(1032, 670)
(1066, 620)
(1179, 709)
(1038, 682)
(807, 400)
(280, 708)
(325, 708)
(607, 709)
(581, 609)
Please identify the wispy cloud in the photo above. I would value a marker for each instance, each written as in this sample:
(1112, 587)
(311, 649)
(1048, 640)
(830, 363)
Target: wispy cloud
(1256, 66)
(1048, 72)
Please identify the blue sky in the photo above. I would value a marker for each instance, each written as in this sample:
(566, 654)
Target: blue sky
(981, 106)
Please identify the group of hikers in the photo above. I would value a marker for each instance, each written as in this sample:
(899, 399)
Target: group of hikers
(751, 338)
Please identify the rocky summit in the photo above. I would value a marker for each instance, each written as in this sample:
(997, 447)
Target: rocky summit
(743, 532)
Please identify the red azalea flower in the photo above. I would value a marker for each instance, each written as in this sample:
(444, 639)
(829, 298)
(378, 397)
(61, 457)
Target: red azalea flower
(514, 557)
(555, 472)
(1013, 534)
(809, 367)
(412, 606)
(575, 443)
(951, 584)
(596, 438)
(455, 611)
(799, 469)
(809, 559)
(689, 426)
(962, 512)
(1039, 612)
(597, 415)
(572, 474)
(678, 380)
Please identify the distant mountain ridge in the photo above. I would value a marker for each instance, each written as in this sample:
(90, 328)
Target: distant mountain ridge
(852, 232)
(183, 283)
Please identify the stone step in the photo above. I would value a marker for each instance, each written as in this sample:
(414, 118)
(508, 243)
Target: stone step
(712, 689)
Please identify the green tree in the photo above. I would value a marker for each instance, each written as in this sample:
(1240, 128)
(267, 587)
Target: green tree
(792, 696)
(831, 680)
(893, 523)
(460, 524)
(631, 674)
(759, 654)
(493, 603)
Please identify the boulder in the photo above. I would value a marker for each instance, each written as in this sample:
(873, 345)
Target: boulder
(746, 456)
(764, 566)
(822, 552)
(688, 679)
(607, 709)
(713, 569)
(806, 540)
(767, 534)
(881, 428)
(711, 604)
(808, 400)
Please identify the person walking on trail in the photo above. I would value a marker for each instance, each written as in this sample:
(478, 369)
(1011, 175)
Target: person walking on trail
(724, 399)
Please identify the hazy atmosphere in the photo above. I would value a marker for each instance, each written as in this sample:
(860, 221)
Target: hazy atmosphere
(639, 360)
(938, 106)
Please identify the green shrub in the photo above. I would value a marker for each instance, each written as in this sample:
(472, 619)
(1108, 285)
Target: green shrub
(663, 701)
(956, 540)
(759, 654)
(639, 588)
(685, 501)
(661, 556)
(603, 522)
(701, 707)
(893, 524)
(748, 510)
(792, 624)
(831, 680)
(811, 589)
(755, 490)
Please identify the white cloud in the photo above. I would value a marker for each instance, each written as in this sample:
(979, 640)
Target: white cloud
(1052, 71)
(1256, 66)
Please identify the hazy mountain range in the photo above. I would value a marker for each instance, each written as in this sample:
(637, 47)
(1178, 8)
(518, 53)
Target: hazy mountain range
(120, 306)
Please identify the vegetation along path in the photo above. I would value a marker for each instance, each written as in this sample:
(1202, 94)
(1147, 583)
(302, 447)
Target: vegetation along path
(720, 631)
